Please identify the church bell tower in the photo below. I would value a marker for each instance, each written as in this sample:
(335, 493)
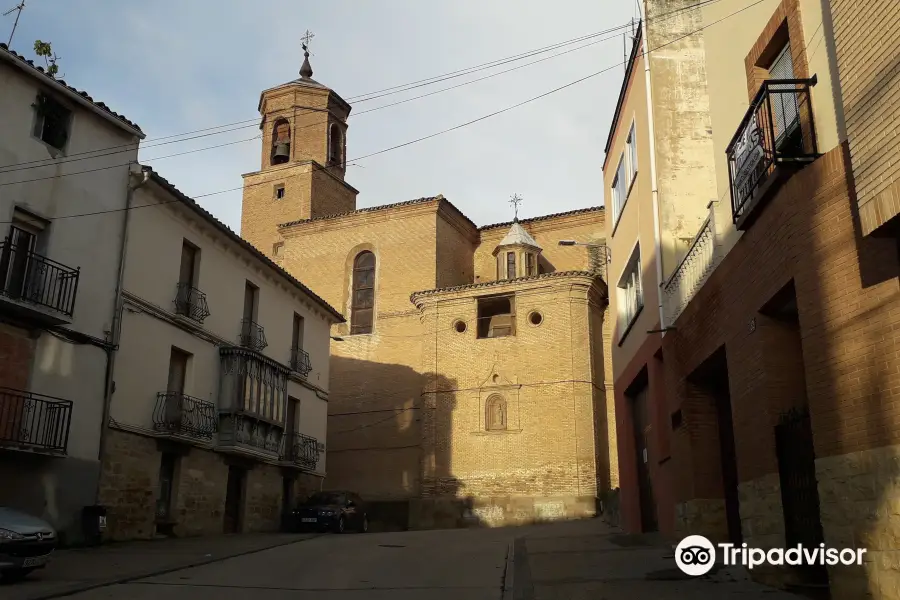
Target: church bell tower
(303, 162)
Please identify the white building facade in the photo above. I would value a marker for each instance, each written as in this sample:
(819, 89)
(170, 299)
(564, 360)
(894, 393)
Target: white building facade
(218, 419)
(63, 194)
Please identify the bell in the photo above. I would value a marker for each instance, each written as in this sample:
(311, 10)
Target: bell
(282, 151)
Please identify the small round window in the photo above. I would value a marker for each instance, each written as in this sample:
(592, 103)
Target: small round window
(460, 326)
(535, 318)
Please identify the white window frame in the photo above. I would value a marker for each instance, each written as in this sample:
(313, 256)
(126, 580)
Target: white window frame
(631, 154)
(619, 190)
(629, 293)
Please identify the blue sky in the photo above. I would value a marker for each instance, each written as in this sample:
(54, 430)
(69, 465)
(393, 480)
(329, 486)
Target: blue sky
(177, 66)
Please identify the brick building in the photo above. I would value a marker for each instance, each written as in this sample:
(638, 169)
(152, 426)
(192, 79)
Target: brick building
(780, 352)
(470, 381)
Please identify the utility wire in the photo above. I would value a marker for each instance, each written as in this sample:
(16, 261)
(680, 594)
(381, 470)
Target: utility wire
(367, 96)
(389, 149)
(254, 122)
(77, 157)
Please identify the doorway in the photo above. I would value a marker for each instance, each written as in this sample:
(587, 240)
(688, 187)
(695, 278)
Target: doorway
(639, 392)
(234, 499)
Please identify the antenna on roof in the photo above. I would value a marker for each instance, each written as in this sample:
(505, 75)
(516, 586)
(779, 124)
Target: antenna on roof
(19, 7)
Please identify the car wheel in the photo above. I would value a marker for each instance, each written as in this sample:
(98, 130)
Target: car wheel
(17, 575)
(341, 524)
(364, 528)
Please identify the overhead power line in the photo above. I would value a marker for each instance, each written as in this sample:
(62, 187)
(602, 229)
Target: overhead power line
(417, 140)
(209, 131)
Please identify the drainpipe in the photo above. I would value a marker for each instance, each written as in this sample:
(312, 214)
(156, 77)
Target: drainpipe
(116, 321)
(657, 242)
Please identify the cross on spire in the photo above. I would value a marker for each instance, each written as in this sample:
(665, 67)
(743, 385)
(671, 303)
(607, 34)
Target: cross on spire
(306, 38)
(306, 70)
(515, 200)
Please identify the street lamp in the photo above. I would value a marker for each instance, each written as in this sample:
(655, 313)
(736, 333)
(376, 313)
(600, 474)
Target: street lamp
(574, 243)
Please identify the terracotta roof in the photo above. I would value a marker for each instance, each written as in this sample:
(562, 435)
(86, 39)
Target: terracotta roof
(438, 198)
(190, 202)
(517, 236)
(486, 284)
(39, 72)
(544, 217)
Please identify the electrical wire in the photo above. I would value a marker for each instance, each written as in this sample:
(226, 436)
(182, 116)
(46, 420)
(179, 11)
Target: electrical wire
(398, 146)
(361, 97)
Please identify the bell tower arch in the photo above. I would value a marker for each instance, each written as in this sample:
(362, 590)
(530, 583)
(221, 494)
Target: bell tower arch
(302, 160)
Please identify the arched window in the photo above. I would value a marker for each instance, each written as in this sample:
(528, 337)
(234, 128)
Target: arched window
(281, 142)
(363, 301)
(510, 265)
(336, 153)
(495, 415)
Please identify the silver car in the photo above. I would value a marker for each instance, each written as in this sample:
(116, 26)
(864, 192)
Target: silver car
(26, 543)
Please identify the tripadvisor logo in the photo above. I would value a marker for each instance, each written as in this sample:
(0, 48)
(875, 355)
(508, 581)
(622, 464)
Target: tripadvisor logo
(695, 555)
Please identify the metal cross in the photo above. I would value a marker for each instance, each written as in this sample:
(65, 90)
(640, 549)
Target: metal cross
(306, 38)
(515, 201)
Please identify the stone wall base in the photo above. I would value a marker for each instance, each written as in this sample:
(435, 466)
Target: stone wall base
(453, 512)
(859, 496)
(702, 516)
(130, 490)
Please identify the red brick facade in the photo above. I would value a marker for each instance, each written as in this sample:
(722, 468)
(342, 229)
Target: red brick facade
(16, 353)
(849, 322)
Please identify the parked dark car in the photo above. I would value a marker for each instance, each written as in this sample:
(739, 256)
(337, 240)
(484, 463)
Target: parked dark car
(331, 511)
(26, 543)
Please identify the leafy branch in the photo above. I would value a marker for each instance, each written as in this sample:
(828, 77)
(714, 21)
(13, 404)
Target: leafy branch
(45, 51)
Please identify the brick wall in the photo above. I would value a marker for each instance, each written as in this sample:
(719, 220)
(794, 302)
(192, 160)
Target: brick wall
(199, 495)
(847, 296)
(129, 484)
(16, 356)
(867, 61)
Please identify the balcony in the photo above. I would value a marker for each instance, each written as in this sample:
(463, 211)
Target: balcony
(181, 415)
(191, 303)
(252, 336)
(776, 138)
(695, 268)
(34, 422)
(35, 286)
(252, 401)
(300, 361)
(302, 450)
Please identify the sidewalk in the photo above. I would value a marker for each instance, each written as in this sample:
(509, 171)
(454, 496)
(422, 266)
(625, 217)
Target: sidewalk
(590, 560)
(77, 570)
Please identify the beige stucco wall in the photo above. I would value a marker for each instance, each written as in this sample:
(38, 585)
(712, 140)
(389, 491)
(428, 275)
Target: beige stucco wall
(635, 224)
(149, 330)
(62, 369)
(681, 122)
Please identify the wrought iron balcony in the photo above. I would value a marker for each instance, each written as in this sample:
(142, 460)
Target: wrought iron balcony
(300, 361)
(302, 450)
(180, 414)
(28, 277)
(252, 336)
(776, 137)
(34, 422)
(191, 303)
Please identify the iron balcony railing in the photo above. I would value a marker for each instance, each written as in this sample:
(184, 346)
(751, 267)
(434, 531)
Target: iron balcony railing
(34, 421)
(179, 413)
(302, 450)
(778, 129)
(29, 277)
(191, 302)
(252, 336)
(300, 361)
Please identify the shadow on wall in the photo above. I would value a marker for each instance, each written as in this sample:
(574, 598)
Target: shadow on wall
(385, 444)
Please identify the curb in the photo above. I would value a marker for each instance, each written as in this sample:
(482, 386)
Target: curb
(86, 587)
